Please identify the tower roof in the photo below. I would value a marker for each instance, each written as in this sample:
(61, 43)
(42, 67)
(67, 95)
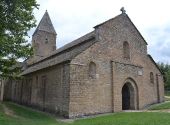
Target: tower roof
(45, 24)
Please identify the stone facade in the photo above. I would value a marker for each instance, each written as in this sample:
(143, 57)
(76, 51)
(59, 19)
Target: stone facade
(107, 70)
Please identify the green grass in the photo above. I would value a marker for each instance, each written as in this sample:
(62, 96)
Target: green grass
(165, 105)
(26, 116)
(133, 118)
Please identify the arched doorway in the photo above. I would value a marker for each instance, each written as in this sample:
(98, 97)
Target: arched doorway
(129, 96)
(125, 97)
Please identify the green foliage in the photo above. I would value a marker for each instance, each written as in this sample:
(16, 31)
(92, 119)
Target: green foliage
(165, 68)
(16, 17)
(167, 93)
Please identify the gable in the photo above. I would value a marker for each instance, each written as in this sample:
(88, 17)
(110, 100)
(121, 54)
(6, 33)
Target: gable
(121, 21)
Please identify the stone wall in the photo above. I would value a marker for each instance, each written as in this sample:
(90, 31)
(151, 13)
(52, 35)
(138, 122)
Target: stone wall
(89, 95)
(104, 92)
(47, 90)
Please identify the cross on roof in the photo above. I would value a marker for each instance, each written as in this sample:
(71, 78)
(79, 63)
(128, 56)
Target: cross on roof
(123, 10)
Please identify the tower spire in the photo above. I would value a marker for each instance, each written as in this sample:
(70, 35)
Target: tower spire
(46, 24)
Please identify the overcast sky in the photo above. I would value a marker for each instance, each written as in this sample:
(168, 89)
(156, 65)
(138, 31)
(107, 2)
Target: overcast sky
(74, 18)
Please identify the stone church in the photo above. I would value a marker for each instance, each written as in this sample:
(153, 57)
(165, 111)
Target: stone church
(106, 70)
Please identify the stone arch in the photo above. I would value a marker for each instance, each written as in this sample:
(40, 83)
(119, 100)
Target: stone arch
(126, 50)
(130, 97)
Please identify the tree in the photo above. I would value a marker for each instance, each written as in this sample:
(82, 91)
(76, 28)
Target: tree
(16, 19)
(167, 82)
(165, 68)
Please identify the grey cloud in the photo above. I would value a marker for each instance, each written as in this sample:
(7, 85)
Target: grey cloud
(159, 46)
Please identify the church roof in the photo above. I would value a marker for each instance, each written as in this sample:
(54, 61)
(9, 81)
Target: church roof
(65, 53)
(45, 24)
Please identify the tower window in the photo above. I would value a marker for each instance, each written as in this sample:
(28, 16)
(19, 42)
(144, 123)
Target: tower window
(46, 40)
(126, 50)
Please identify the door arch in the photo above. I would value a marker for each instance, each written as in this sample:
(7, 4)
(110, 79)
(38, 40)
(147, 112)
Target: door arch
(129, 95)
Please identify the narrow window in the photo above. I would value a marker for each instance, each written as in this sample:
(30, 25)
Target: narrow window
(46, 40)
(36, 81)
(92, 70)
(126, 50)
(151, 77)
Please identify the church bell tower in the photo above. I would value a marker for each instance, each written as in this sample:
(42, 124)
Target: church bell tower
(44, 38)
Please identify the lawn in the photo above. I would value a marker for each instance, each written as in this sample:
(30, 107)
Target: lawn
(19, 115)
(12, 114)
(165, 105)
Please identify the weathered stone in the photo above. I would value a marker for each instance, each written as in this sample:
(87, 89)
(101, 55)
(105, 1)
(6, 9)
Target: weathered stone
(66, 83)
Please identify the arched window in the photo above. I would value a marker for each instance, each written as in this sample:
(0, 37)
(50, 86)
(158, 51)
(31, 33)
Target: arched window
(151, 77)
(126, 50)
(92, 70)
